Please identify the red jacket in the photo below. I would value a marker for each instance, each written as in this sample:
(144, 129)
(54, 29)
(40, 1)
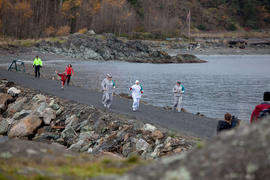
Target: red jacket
(257, 110)
(63, 76)
(69, 70)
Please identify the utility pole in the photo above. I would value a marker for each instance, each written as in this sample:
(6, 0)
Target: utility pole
(188, 17)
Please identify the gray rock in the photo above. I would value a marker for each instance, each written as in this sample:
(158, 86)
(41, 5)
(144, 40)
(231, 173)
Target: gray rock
(77, 146)
(48, 115)
(16, 106)
(39, 98)
(69, 135)
(21, 114)
(3, 126)
(149, 127)
(142, 145)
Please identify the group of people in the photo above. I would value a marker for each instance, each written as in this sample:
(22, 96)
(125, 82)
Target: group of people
(260, 111)
(108, 87)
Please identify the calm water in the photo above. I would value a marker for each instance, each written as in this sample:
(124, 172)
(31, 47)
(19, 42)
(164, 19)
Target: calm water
(231, 83)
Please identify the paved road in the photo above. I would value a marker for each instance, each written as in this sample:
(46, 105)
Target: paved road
(185, 123)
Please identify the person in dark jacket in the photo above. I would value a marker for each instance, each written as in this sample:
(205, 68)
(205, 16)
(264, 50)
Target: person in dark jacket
(225, 124)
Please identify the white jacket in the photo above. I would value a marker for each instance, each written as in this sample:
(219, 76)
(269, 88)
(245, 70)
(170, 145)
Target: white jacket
(136, 91)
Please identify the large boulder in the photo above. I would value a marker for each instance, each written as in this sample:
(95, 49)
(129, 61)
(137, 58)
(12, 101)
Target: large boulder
(4, 100)
(25, 127)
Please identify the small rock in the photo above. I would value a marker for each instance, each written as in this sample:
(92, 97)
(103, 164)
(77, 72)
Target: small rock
(13, 91)
(142, 145)
(3, 126)
(16, 106)
(39, 98)
(59, 111)
(157, 134)
(21, 114)
(4, 100)
(77, 146)
(149, 127)
(48, 116)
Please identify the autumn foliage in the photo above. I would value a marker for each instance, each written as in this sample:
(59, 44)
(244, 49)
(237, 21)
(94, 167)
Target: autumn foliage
(42, 18)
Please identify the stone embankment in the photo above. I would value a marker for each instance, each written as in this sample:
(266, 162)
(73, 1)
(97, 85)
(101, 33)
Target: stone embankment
(108, 47)
(30, 115)
(242, 153)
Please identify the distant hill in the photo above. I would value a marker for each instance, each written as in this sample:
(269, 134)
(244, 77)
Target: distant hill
(32, 18)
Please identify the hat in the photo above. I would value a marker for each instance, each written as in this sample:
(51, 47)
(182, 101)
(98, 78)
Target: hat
(109, 75)
(137, 81)
(178, 82)
(266, 96)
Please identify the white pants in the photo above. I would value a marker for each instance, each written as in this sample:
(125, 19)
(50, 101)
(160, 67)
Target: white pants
(136, 104)
(177, 102)
(107, 99)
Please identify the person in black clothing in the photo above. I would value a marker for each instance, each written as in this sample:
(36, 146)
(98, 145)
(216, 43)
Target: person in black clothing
(226, 124)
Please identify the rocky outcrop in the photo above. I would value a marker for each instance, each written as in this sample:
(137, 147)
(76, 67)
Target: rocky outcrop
(85, 128)
(242, 153)
(108, 47)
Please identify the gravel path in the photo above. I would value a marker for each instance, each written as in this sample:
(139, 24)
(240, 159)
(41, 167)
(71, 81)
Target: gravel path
(184, 123)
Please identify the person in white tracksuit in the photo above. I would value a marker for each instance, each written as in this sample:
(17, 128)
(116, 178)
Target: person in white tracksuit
(137, 92)
(108, 87)
(178, 91)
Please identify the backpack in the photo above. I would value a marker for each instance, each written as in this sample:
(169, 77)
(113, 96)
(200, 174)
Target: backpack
(264, 113)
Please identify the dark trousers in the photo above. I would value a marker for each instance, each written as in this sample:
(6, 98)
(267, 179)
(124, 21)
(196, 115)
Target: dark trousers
(37, 71)
(68, 79)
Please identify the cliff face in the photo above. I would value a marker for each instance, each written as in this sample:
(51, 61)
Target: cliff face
(242, 153)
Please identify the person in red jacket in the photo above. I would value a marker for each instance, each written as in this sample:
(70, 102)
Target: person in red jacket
(261, 110)
(70, 72)
(63, 78)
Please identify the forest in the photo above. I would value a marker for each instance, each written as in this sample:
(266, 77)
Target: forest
(45, 18)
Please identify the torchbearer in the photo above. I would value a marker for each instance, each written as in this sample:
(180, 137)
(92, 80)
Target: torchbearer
(137, 91)
(178, 91)
(108, 87)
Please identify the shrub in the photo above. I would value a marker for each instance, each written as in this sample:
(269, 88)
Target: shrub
(50, 31)
(63, 31)
(83, 30)
(202, 27)
(231, 27)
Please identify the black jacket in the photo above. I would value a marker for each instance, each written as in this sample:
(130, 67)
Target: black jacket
(223, 125)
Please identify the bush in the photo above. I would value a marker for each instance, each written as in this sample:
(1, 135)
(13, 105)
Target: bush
(202, 27)
(231, 27)
(63, 31)
(50, 31)
(83, 30)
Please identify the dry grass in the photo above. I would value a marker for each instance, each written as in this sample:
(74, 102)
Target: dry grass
(236, 34)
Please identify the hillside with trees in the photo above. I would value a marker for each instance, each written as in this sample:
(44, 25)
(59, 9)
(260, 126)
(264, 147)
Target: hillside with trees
(44, 18)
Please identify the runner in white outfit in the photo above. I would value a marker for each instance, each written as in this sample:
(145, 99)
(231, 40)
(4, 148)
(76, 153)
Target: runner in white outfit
(108, 87)
(178, 91)
(137, 92)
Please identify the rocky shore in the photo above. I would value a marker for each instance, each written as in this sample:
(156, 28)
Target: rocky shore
(108, 47)
(30, 115)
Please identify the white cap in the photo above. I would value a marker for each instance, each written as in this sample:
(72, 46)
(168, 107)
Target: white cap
(109, 75)
(137, 81)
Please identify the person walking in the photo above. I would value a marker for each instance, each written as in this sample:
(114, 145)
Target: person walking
(137, 91)
(37, 64)
(178, 91)
(69, 72)
(108, 87)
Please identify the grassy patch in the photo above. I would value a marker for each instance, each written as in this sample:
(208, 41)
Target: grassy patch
(58, 168)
